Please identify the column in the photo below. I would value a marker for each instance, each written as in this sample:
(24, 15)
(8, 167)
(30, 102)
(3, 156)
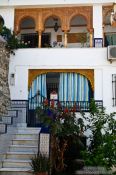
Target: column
(91, 37)
(65, 39)
(39, 39)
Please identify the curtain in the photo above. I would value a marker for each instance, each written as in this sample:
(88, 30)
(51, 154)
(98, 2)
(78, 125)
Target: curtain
(38, 85)
(73, 87)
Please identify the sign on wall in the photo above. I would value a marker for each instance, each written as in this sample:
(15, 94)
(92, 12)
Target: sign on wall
(77, 37)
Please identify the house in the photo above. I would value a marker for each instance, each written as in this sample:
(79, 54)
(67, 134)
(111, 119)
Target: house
(69, 54)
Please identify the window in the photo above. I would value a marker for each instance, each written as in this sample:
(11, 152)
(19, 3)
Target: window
(110, 39)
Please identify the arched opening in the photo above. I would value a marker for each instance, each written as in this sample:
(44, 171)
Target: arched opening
(1, 21)
(78, 35)
(52, 36)
(28, 35)
(109, 31)
(68, 89)
(69, 86)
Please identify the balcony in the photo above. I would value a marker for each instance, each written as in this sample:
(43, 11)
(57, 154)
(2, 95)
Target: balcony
(75, 40)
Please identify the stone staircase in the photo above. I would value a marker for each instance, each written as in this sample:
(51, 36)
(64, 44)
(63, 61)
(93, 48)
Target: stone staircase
(24, 146)
(8, 119)
(16, 114)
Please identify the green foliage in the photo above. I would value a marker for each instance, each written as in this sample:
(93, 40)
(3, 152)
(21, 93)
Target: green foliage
(61, 123)
(64, 128)
(102, 148)
(12, 41)
(40, 163)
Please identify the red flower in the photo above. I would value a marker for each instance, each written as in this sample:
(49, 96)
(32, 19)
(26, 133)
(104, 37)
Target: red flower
(73, 108)
(45, 102)
(66, 110)
(52, 104)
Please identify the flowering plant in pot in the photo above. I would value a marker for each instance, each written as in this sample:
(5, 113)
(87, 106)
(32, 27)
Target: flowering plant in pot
(40, 164)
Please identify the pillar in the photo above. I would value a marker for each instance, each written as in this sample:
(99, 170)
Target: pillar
(65, 39)
(39, 39)
(91, 37)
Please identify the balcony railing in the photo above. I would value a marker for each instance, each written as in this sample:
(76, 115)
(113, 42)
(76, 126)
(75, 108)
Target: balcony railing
(78, 105)
(74, 106)
(30, 40)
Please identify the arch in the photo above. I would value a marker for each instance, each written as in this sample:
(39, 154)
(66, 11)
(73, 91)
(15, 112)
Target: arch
(88, 73)
(82, 90)
(27, 18)
(51, 16)
(77, 15)
(19, 18)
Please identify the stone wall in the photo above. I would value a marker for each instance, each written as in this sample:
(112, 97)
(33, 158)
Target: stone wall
(4, 87)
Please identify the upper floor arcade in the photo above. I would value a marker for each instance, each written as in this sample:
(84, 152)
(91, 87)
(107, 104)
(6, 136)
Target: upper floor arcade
(78, 26)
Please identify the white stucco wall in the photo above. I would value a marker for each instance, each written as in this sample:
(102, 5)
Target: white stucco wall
(8, 16)
(73, 58)
(84, 58)
(49, 2)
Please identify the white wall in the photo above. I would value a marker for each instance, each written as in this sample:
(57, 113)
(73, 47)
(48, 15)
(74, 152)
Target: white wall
(49, 2)
(8, 16)
(61, 58)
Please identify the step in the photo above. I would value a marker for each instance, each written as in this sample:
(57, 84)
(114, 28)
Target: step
(14, 163)
(3, 128)
(16, 171)
(25, 141)
(12, 113)
(7, 120)
(22, 130)
(20, 155)
(26, 135)
(23, 148)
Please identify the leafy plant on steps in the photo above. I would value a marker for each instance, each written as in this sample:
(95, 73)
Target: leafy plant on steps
(40, 164)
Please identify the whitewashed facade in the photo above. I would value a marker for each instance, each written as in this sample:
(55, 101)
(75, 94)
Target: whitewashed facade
(62, 58)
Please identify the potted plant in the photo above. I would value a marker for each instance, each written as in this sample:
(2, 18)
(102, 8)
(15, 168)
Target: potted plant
(40, 164)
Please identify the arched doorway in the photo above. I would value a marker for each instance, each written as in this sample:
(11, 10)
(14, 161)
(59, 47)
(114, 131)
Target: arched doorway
(28, 35)
(71, 89)
(78, 35)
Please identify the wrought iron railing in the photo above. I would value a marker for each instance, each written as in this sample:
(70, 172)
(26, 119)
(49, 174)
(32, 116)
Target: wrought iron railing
(76, 106)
